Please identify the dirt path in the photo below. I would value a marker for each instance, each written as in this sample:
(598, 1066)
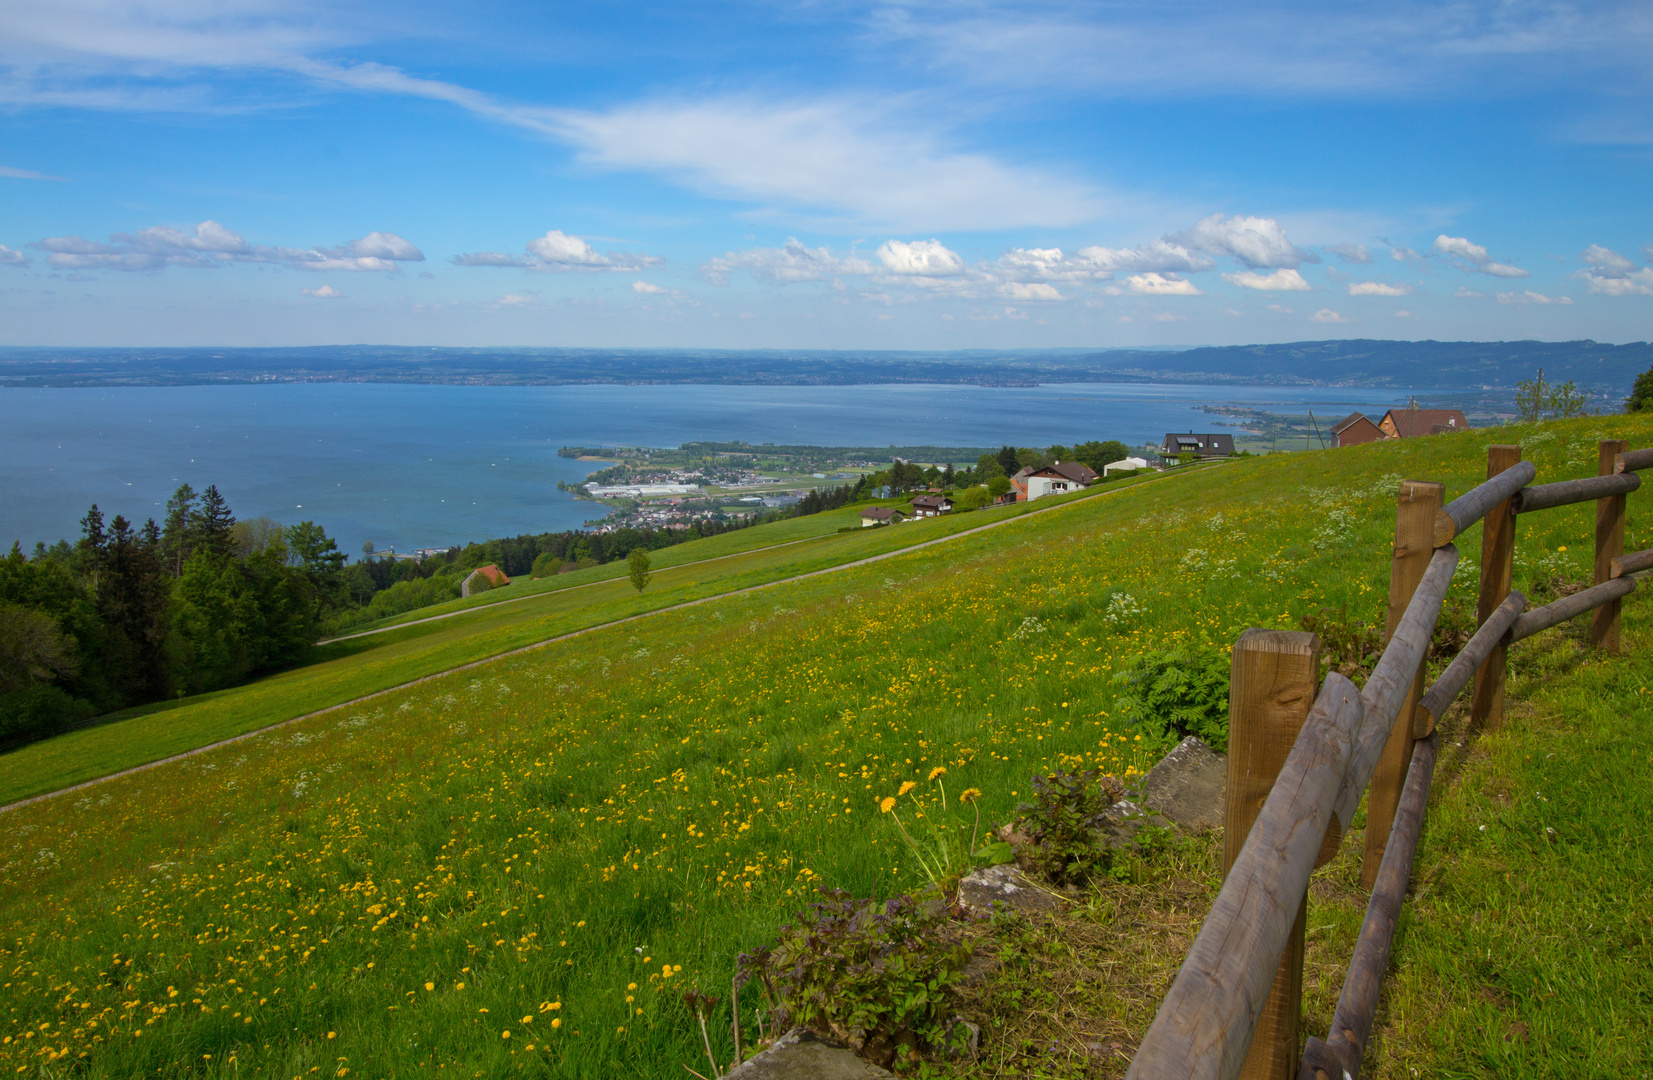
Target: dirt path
(581, 632)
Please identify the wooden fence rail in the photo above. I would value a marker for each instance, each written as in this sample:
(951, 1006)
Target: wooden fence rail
(1379, 743)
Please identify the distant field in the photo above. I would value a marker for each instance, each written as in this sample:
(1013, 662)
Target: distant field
(350, 668)
(518, 868)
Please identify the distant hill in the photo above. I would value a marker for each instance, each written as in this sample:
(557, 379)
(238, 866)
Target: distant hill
(1447, 365)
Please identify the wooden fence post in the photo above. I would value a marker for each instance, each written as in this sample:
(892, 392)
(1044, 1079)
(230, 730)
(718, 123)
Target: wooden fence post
(1274, 679)
(1497, 576)
(1604, 624)
(1419, 500)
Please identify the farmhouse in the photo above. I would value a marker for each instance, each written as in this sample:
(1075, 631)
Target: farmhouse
(1410, 423)
(1354, 429)
(1032, 482)
(491, 575)
(1125, 465)
(931, 506)
(1204, 444)
(880, 515)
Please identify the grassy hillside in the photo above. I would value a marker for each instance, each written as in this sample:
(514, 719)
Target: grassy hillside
(413, 647)
(519, 867)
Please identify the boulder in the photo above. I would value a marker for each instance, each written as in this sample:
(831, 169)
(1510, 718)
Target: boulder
(1189, 787)
(802, 1054)
(1005, 886)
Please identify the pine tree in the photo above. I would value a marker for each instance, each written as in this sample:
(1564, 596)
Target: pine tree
(175, 538)
(212, 525)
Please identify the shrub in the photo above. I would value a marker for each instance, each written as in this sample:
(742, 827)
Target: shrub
(1064, 822)
(1176, 693)
(875, 975)
(38, 710)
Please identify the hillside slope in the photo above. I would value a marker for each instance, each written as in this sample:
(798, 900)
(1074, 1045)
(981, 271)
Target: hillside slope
(519, 868)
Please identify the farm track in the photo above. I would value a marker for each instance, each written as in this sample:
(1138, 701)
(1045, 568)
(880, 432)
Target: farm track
(574, 634)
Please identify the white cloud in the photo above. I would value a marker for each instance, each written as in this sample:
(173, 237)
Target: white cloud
(557, 250)
(1327, 315)
(1473, 257)
(1351, 253)
(326, 292)
(25, 174)
(1166, 316)
(12, 257)
(517, 300)
(1611, 274)
(1279, 281)
(211, 244)
(1404, 254)
(1404, 314)
(1377, 288)
(648, 288)
(1259, 243)
(1469, 294)
(1530, 297)
(788, 264)
(1279, 309)
(927, 258)
(1160, 256)
(1037, 290)
(1160, 285)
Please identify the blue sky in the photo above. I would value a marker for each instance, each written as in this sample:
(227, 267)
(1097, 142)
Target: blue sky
(823, 175)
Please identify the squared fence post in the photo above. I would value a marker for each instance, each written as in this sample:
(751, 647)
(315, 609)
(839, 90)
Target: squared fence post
(1414, 547)
(1497, 578)
(1274, 678)
(1604, 622)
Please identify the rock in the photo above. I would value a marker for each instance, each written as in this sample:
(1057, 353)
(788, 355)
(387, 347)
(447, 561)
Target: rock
(963, 1038)
(802, 1054)
(1189, 787)
(1005, 886)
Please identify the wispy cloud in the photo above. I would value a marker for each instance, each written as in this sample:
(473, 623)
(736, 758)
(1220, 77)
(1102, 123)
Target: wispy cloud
(1279, 281)
(1610, 274)
(1327, 315)
(1473, 257)
(1351, 253)
(788, 264)
(1377, 288)
(326, 292)
(1258, 242)
(25, 174)
(1530, 297)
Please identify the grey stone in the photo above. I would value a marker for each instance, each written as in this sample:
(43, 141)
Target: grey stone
(802, 1054)
(968, 1046)
(1006, 886)
(1189, 787)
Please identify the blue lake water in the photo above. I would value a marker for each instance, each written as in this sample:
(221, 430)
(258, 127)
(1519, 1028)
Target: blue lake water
(426, 466)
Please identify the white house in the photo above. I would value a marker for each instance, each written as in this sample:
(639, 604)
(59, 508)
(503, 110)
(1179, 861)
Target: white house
(1124, 465)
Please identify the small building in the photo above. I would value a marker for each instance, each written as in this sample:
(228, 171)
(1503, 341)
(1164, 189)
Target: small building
(493, 575)
(926, 506)
(1125, 465)
(1354, 429)
(880, 515)
(1202, 444)
(1032, 482)
(1410, 423)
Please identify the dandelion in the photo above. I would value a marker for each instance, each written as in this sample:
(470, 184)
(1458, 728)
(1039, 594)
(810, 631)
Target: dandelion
(906, 786)
(557, 1022)
(887, 803)
(969, 795)
(505, 1034)
(430, 986)
(330, 1034)
(939, 771)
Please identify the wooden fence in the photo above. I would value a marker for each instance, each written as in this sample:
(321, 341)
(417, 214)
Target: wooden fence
(1301, 755)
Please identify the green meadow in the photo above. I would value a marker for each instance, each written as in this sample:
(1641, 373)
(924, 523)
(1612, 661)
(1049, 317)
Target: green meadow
(518, 868)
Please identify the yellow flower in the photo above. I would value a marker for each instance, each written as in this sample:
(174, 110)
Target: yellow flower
(969, 795)
(906, 786)
(505, 1034)
(527, 1019)
(557, 1023)
(887, 804)
(937, 773)
(430, 986)
(330, 1034)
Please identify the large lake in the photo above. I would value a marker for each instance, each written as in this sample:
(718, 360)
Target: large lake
(426, 466)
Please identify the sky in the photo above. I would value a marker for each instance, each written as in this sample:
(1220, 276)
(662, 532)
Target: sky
(902, 175)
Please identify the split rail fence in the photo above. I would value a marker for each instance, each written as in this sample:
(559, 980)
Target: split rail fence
(1303, 752)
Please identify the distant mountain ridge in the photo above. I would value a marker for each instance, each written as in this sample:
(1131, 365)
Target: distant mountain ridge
(1455, 365)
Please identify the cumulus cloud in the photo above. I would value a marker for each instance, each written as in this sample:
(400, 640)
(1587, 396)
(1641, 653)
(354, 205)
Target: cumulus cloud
(926, 258)
(648, 288)
(12, 257)
(1473, 257)
(1037, 290)
(210, 244)
(326, 292)
(1611, 274)
(1377, 288)
(1530, 297)
(1160, 256)
(1327, 315)
(789, 264)
(1160, 285)
(1351, 253)
(1279, 281)
(1258, 242)
(557, 250)
(1404, 254)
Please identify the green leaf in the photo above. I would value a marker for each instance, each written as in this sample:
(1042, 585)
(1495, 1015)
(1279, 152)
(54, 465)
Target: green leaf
(995, 854)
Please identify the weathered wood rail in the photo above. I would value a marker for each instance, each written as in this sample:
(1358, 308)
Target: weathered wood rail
(1235, 1007)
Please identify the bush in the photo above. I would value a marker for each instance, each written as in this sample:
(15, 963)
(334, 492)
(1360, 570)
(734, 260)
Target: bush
(1176, 693)
(875, 975)
(1065, 819)
(545, 565)
(37, 711)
